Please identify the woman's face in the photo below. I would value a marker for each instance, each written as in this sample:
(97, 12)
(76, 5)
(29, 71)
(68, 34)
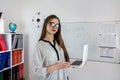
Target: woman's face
(53, 26)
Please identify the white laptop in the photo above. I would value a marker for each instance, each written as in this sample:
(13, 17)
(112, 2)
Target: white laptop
(78, 62)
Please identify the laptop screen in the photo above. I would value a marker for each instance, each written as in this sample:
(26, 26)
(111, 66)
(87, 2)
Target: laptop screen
(84, 58)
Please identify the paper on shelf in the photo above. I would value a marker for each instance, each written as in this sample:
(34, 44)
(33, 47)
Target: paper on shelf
(2, 30)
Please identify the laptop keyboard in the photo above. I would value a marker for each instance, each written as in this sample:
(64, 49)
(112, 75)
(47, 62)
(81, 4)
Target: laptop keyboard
(76, 63)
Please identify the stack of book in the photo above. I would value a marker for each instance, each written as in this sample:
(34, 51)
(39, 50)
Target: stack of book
(17, 72)
(16, 56)
(4, 60)
(3, 45)
(17, 41)
(5, 75)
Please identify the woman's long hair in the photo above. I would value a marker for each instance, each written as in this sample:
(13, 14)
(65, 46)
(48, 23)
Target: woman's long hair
(57, 36)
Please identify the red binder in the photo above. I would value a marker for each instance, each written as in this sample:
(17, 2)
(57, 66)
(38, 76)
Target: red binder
(21, 71)
(3, 45)
(19, 56)
(14, 57)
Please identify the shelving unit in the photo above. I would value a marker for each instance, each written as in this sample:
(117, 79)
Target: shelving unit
(11, 56)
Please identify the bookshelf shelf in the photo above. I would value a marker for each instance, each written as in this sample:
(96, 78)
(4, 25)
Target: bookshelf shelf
(17, 64)
(11, 56)
(5, 69)
(5, 51)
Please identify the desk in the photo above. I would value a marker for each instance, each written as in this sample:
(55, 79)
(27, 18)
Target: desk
(95, 71)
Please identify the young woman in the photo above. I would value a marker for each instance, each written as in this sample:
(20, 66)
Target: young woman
(51, 58)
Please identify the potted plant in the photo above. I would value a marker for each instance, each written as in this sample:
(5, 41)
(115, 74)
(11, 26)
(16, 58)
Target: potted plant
(22, 78)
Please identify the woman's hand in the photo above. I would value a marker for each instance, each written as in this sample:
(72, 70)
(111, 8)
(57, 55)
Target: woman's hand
(63, 65)
(57, 66)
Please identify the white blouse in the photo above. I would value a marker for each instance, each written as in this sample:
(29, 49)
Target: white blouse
(45, 55)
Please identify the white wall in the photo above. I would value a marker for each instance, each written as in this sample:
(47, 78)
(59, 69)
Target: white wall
(11, 13)
(78, 10)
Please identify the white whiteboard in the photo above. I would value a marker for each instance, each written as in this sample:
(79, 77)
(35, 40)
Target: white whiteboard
(76, 34)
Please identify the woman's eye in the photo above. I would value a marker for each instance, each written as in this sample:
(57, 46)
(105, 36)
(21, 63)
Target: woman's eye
(53, 24)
